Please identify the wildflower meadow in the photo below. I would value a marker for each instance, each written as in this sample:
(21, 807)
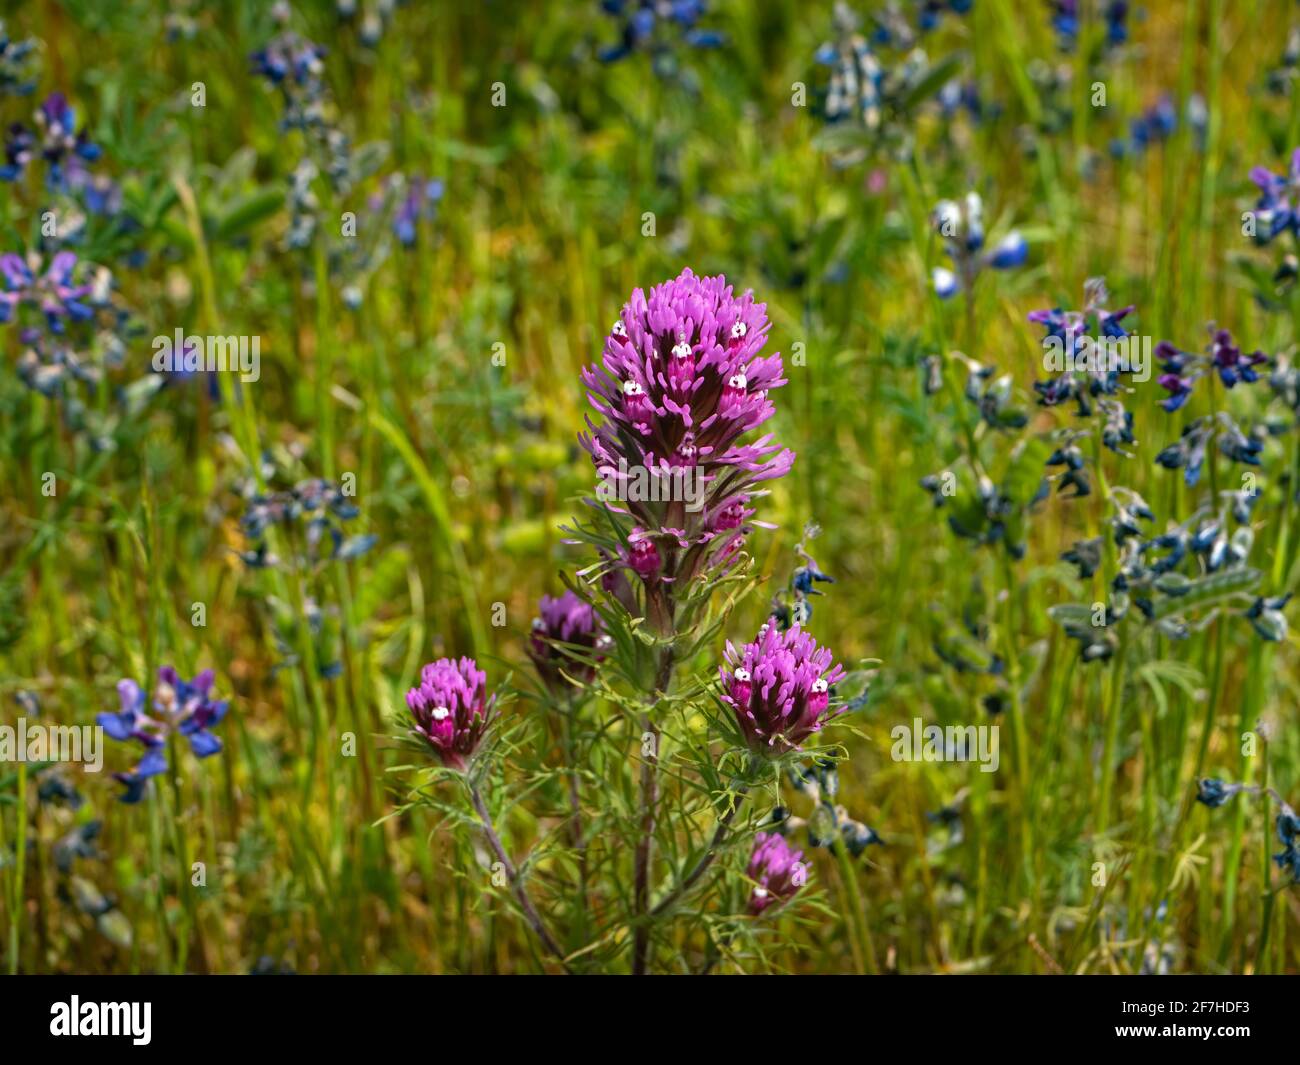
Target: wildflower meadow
(649, 487)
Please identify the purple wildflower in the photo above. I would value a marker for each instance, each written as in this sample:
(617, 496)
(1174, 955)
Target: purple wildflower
(1182, 369)
(53, 291)
(1083, 344)
(682, 380)
(1276, 211)
(779, 687)
(180, 707)
(777, 872)
(566, 620)
(451, 709)
(646, 25)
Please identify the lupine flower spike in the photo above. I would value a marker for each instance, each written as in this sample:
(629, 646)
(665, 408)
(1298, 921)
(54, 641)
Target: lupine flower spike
(180, 707)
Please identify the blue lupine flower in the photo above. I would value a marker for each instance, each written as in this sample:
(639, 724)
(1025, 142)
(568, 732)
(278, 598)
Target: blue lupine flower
(1183, 369)
(1288, 831)
(414, 204)
(1065, 21)
(961, 225)
(1087, 350)
(180, 707)
(1266, 617)
(653, 26)
(1276, 211)
(65, 151)
(17, 63)
(1214, 793)
(321, 505)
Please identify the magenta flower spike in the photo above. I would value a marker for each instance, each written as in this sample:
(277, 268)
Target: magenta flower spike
(451, 709)
(777, 871)
(681, 382)
(565, 619)
(779, 687)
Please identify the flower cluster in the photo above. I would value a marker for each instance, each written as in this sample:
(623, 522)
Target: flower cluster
(65, 150)
(1277, 210)
(682, 380)
(294, 66)
(1189, 451)
(776, 871)
(567, 640)
(180, 707)
(17, 64)
(1065, 21)
(863, 90)
(320, 505)
(792, 607)
(1082, 344)
(829, 821)
(655, 27)
(412, 203)
(1181, 369)
(778, 687)
(373, 21)
(1214, 793)
(451, 710)
(70, 327)
(1193, 564)
(1157, 123)
(961, 226)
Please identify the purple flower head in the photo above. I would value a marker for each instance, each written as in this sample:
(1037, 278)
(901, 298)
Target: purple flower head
(1087, 347)
(56, 294)
(451, 709)
(777, 872)
(681, 382)
(1182, 369)
(180, 707)
(1278, 207)
(566, 619)
(779, 687)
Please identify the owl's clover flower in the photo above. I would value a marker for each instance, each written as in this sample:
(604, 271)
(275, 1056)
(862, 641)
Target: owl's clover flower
(776, 871)
(451, 710)
(681, 382)
(778, 687)
(180, 707)
(961, 226)
(566, 631)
